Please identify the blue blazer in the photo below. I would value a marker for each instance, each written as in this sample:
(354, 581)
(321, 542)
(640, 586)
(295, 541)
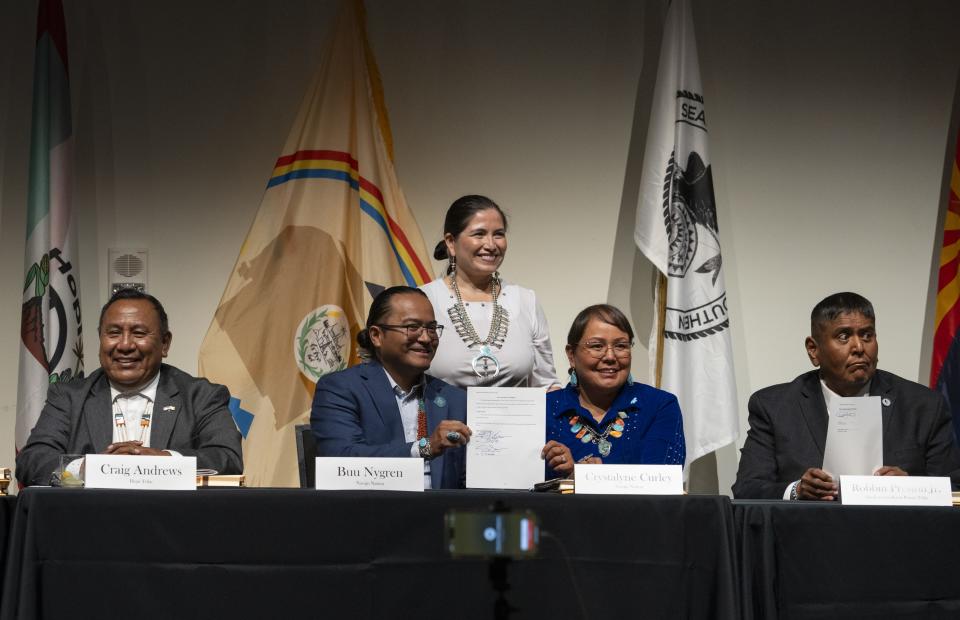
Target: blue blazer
(355, 413)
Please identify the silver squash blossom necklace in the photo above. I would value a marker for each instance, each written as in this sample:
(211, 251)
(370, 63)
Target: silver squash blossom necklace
(485, 363)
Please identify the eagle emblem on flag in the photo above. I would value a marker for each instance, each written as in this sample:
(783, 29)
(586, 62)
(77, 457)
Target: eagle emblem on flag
(688, 202)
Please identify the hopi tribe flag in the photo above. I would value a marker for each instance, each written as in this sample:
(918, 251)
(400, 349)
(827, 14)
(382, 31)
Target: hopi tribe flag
(332, 231)
(677, 231)
(945, 369)
(51, 344)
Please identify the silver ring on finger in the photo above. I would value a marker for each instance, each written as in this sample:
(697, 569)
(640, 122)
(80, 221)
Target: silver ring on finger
(453, 437)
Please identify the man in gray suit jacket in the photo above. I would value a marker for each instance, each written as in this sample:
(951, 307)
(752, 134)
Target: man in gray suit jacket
(133, 404)
(783, 453)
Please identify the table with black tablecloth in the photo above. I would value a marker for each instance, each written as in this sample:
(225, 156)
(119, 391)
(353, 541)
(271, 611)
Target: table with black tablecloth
(7, 505)
(825, 560)
(255, 553)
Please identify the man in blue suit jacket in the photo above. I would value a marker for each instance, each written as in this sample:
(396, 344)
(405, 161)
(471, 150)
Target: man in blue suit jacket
(373, 409)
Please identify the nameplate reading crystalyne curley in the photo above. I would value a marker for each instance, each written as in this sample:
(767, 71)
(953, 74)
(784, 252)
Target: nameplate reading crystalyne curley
(369, 474)
(152, 473)
(628, 479)
(895, 491)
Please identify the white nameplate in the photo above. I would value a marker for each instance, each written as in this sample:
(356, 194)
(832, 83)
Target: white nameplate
(896, 491)
(628, 479)
(336, 473)
(154, 473)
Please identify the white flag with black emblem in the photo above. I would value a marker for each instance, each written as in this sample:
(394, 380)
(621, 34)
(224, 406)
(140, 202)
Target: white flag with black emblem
(677, 230)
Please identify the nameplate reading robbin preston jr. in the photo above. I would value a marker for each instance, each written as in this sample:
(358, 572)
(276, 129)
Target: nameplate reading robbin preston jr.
(628, 479)
(152, 473)
(895, 491)
(369, 474)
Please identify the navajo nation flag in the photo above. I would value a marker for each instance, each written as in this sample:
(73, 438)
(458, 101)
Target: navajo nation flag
(333, 230)
(51, 347)
(945, 369)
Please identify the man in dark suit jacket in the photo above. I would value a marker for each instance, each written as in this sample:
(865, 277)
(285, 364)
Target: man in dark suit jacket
(357, 412)
(784, 450)
(175, 413)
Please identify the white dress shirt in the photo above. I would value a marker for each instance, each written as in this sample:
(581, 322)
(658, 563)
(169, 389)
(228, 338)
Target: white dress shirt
(132, 405)
(409, 404)
(526, 357)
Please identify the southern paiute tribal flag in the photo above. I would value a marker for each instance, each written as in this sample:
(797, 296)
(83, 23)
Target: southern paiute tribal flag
(51, 347)
(332, 231)
(677, 231)
(945, 369)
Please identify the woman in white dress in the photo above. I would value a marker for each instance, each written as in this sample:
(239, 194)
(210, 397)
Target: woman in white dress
(498, 334)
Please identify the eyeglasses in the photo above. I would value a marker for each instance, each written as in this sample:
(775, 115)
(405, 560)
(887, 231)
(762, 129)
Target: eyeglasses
(621, 349)
(413, 330)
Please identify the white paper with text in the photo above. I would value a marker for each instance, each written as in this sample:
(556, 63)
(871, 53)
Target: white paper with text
(509, 431)
(854, 437)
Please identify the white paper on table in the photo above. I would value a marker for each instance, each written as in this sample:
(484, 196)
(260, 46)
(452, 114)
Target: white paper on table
(509, 430)
(854, 437)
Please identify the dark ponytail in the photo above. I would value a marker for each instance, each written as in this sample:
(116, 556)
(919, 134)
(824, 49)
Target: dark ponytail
(459, 215)
(379, 309)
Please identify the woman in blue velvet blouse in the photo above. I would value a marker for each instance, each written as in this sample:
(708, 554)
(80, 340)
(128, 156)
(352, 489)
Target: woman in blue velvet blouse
(603, 416)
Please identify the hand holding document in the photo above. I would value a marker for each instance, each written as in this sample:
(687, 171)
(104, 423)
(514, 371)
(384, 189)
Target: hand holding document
(509, 426)
(854, 437)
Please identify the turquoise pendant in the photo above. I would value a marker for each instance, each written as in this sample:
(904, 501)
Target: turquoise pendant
(604, 446)
(587, 438)
(485, 363)
(618, 427)
(576, 427)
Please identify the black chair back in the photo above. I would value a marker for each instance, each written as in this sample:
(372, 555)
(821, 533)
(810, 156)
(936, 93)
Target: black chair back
(306, 453)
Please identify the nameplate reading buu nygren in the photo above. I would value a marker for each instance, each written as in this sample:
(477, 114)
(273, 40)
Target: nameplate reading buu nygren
(152, 473)
(369, 474)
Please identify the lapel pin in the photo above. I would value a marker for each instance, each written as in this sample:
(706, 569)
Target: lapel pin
(886, 402)
(170, 408)
(440, 401)
(634, 401)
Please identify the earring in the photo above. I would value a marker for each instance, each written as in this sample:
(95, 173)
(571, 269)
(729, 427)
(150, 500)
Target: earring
(452, 266)
(573, 377)
(629, 378)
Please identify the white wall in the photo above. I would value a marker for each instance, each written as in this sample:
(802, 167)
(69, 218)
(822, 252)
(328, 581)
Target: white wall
(828, 131)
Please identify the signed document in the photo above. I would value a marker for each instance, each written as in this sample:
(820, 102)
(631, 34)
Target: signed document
(854, 437)
(509, 426)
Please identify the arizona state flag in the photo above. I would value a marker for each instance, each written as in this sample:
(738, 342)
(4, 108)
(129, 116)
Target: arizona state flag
(333, 230)
(945, 369)
(51, 344)
(678, 232)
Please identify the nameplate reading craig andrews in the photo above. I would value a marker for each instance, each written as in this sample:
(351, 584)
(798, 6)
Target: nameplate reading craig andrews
(896, 491)
(369, 474)
(628, 479)
(153, 473)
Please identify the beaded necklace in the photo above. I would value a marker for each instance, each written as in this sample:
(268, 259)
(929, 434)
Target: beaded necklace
(585, 433)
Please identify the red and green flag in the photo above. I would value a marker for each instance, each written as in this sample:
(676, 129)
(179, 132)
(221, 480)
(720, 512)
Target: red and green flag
(50, 329)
